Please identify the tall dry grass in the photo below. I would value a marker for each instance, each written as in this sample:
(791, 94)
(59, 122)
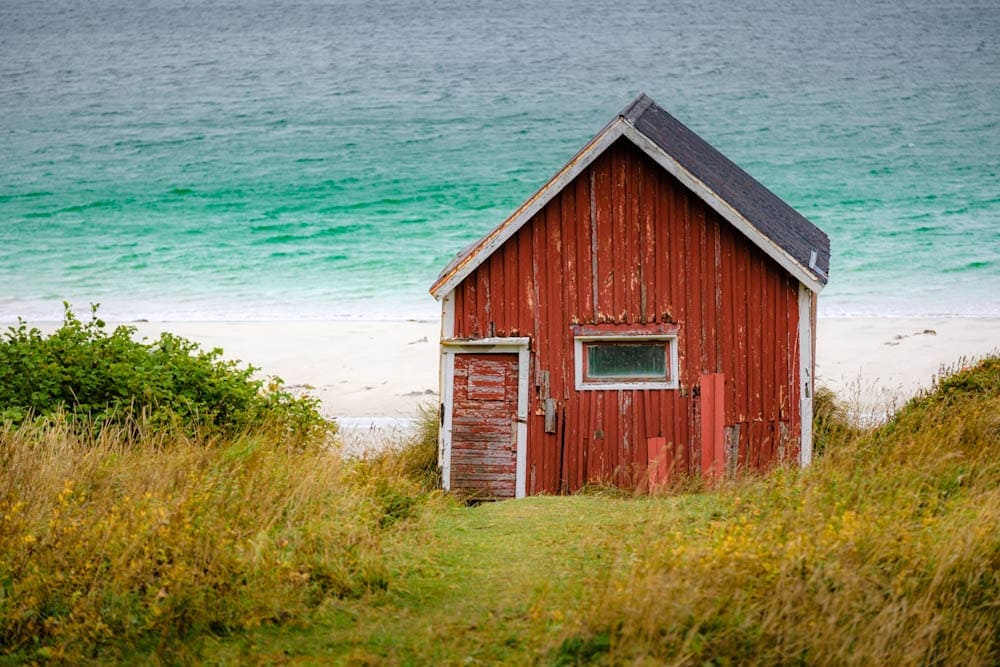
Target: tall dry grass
(886, 551)
(111, 544)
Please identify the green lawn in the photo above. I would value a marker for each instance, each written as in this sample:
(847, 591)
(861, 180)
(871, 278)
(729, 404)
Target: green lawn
(494, 582)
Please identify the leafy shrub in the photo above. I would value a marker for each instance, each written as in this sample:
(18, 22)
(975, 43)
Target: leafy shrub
(99, 377)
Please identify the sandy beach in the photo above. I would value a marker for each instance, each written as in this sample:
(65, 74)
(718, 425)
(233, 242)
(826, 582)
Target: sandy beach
(370, 372)
(875, 364)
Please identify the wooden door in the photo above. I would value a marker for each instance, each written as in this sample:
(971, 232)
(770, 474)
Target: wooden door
(484, 425)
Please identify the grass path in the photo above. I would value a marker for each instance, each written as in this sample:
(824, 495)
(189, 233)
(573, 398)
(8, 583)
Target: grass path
(478, 585)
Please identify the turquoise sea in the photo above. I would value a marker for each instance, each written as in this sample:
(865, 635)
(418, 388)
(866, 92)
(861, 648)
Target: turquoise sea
(266, 160)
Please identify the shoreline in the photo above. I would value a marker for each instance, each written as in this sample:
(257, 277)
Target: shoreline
(384, 370)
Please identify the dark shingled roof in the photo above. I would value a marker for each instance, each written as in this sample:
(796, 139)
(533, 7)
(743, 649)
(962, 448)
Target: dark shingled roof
(762, 208)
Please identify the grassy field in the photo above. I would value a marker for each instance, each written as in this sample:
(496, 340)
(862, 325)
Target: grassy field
(885, 551)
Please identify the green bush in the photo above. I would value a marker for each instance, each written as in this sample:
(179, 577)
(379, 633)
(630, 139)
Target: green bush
(97, 377)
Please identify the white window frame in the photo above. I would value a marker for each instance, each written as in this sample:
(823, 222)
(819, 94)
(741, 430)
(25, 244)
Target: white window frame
(673, 371)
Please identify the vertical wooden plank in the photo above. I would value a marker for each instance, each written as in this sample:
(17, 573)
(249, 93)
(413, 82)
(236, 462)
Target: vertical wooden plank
(633, 236)
(510, 261)
(655, 447)
(757, 443)
(766, 316)
(718, 316)
(712, 425)
(461, 318)
(619, 258)
(693, 442)
(794, 364)
(742, 294)
(662, 256)
(719, 422)
(540, 269)
(756, 337)
(567, 311)
(582, 228)
(646, 430)
(543, 469)
(663, 262)
(556, 306)
(495, 271)
(526, 283)
(600, 438)
(676, 288)
(610, 421)
(745, 462)
(568, 222)
(776, 341)
(605, 308)
(787, 371)
(541, 361)
(728, 315)
(484, 307)
(773, 341)
(647, 202)
(623, 448)
(572, 435)
(554, 313)
(586, 434)
(692, 292)
(674, 273)
(705, 284)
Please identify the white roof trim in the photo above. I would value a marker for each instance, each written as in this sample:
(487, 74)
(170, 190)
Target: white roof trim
(583, 159)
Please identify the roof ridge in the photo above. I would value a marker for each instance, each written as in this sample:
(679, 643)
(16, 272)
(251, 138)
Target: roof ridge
(636, 107)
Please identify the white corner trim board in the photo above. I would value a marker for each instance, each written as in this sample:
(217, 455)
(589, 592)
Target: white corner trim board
(805, 374)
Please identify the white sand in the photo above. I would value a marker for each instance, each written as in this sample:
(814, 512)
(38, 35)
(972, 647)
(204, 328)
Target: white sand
(876, 364)
(377, 372)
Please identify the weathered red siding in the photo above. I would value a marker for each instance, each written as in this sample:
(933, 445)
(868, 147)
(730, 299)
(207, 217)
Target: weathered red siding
(626, 243)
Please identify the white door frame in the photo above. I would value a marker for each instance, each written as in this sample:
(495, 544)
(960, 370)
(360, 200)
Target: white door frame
(451, 347)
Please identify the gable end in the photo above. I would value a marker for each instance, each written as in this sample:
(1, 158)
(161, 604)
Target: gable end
(776, 228)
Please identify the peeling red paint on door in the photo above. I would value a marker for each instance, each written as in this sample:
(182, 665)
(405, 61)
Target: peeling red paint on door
(484, 425)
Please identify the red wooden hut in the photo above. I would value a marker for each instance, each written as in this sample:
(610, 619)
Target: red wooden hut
(650, 311)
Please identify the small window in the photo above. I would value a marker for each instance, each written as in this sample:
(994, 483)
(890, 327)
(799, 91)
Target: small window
(626, 362)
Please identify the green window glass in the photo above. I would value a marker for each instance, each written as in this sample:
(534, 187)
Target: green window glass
(615, 360)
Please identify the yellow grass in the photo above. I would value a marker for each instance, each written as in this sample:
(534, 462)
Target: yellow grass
(885, 551)
(110, 545)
